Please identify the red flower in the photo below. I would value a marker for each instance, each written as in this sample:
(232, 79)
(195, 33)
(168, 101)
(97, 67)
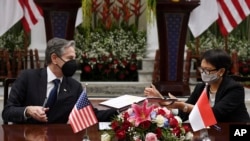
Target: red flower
(133, 67)
(104, 58)
(124, 62)
(114, 125)
(158, 132)
(126, 115)
(121, 134)
(177, 131)
(126, 124)
(115, 61)
(161, 112)
(93, 59)
(145, 124)
(186, 128)
(87, 68)
(173, 122)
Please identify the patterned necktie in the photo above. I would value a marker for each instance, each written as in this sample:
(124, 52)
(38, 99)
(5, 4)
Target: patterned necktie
(53, 94)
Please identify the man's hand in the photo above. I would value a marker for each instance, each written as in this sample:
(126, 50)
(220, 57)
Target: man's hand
(37, 112)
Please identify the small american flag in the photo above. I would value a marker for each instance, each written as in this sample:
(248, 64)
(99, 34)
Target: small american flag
(82, 115)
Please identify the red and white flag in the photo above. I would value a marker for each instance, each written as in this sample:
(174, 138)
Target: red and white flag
(202, 17)
(202, 114)
(228, 14)
(10, 12)
(232, 13)
(82, 115)
(32, 14)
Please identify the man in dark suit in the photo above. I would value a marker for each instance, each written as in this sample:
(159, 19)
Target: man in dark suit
(29, 97)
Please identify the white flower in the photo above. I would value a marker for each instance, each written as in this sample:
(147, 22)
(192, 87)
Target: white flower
(160, 120)
(189, 136)
(105, 137)
(119, 42)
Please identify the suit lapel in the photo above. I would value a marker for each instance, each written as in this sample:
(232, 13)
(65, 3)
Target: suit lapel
(42, 89)
(64, 89)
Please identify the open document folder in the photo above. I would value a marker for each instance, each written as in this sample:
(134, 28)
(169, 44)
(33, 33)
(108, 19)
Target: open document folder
(124, 101)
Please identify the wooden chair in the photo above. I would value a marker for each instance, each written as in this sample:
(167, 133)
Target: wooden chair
(7, 83)
(24, 59)
(5, 69)
(33, 57)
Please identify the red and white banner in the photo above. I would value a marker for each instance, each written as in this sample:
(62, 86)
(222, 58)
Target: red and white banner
(10, 12)
(32, 14)
(232, 13)
(202, 114)
(228, 13)
(202, 17)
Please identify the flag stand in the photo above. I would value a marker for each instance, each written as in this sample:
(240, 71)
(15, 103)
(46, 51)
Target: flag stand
(204, 135)
(86, 137)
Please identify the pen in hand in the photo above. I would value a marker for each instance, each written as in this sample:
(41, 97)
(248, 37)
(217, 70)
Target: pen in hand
(45, 101)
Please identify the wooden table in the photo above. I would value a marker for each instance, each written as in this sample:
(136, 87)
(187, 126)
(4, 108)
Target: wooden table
(63, 132)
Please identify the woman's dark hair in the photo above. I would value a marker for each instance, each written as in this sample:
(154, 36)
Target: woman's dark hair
(219, 58)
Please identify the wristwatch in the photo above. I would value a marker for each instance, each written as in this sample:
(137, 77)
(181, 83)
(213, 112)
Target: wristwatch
(185, 108)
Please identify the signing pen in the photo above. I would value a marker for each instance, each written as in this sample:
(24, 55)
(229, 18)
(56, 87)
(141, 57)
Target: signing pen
(45, 101)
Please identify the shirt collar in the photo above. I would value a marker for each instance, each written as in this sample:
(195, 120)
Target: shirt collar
(51, 76)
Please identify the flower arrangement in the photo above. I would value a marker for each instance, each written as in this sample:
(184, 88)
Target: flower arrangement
(111, 49)
(149, 123)
(111, 56)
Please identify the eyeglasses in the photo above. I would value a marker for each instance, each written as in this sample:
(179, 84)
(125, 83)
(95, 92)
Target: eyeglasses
(205, 70)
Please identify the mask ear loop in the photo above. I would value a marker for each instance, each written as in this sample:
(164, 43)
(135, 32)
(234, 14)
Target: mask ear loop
(61, 59)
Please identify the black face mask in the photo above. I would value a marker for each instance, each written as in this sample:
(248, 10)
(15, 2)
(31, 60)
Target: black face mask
(69, 68)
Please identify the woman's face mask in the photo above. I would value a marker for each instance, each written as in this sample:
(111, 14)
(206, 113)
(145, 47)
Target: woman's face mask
(209, 78)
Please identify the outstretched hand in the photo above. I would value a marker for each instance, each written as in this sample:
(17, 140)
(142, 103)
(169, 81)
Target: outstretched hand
(152, 92)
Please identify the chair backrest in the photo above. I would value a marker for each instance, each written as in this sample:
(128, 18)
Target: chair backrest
(33, 57)
(7, 83)
(5, 69)
(24, 59)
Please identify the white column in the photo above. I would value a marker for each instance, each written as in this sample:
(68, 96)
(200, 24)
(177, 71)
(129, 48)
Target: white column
(38, 39)
(152, 39)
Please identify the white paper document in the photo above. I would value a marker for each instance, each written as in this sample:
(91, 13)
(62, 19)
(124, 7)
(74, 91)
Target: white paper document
(122, 101)
(104, 126)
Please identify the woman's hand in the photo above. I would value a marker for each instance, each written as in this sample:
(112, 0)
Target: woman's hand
(152, 92)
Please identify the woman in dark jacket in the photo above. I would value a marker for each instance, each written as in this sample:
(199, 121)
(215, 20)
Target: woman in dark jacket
(226, 96)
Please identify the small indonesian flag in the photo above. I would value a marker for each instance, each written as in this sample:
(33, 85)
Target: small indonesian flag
(202, 114)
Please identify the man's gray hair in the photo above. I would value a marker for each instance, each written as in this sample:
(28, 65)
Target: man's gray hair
(57, 45)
